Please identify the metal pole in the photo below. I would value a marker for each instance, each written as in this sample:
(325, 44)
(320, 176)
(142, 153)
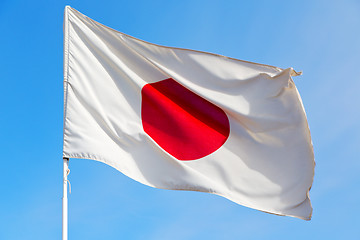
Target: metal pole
(65, 200)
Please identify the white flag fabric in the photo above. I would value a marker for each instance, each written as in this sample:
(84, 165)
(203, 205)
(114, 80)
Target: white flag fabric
(186, 120)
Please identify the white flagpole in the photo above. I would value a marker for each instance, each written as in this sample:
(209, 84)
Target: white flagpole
(65, 200)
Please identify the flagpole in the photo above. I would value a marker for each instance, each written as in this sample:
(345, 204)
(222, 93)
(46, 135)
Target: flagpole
(65, 200)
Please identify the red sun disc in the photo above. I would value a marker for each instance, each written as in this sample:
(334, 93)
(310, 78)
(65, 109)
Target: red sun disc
(182, 123)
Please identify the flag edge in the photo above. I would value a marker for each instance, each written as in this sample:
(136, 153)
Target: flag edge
(275, 212)
(278, 69)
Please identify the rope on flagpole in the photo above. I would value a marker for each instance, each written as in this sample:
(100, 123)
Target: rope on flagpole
(67, 174)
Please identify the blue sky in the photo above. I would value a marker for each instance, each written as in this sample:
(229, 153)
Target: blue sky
(321, 38)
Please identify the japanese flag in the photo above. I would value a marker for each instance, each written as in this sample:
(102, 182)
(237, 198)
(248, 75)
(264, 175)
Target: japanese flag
(186, 120)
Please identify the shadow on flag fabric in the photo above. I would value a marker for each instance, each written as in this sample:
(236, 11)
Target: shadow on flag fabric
(186, 120)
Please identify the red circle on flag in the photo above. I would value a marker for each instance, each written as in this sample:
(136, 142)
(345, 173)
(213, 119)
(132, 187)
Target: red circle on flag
(181, 122)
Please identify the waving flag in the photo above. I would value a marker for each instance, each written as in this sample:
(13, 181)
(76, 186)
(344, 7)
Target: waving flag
(186, 120)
